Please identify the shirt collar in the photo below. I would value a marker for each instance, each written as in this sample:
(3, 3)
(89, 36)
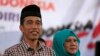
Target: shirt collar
(27, 47)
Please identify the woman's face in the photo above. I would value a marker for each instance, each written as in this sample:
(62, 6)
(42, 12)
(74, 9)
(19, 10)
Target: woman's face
(71, 45)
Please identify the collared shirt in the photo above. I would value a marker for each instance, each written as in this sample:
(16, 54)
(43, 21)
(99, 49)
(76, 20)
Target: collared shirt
(22, 49)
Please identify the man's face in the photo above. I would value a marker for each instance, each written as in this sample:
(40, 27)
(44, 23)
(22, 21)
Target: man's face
(71, 45)
(32, 27)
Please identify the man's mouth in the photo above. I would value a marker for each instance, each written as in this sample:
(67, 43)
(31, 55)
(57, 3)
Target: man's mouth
(34, 32)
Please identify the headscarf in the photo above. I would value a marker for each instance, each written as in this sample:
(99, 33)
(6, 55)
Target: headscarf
(59, 40)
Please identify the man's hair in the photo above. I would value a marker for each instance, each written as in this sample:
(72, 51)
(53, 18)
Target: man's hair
(30, 10)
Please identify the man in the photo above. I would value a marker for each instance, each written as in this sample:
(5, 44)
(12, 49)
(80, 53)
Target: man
(31, 27)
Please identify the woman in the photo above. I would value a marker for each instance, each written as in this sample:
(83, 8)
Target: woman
(66, 43)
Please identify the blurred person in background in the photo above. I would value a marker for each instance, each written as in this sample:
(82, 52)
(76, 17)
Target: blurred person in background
(66, 43)
(31, 28)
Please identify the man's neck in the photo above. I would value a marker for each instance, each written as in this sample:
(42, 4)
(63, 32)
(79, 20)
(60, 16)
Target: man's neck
(32, 43)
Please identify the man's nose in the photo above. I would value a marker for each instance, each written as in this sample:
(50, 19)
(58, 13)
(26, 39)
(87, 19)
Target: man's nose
(34, 25)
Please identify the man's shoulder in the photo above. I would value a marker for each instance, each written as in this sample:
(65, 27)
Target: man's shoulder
(14, 47)
(47, 48)
(49, 51)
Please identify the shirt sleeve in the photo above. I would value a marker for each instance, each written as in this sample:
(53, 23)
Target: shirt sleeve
(7, 53)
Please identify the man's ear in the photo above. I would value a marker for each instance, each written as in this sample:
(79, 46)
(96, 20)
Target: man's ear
(21, 28)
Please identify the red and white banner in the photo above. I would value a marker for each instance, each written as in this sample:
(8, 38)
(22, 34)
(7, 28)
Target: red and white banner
(83, 16)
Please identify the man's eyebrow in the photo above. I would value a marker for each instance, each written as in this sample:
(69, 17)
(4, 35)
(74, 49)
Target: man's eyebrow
(28, 20)
(39, 21)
